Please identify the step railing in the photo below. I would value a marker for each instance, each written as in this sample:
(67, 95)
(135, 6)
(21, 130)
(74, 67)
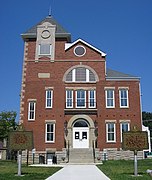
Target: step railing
(93, 147)
(68, 151)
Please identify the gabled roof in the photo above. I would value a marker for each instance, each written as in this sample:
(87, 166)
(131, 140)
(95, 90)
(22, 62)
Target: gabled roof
(69, 45)
(60, 31)
(113, 75)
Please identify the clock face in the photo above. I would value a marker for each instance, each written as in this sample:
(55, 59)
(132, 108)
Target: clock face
(45, 34)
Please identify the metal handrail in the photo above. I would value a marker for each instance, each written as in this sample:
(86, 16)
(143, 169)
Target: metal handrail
(93, 150)
(68, 151)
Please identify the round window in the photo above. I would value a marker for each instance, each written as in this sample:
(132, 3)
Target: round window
(79, 51)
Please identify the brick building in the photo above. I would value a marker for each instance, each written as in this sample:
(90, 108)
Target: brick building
(76, 107)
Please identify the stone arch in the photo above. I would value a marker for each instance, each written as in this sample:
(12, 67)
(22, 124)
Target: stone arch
(75, 117)
(72, 120)
(85, 66)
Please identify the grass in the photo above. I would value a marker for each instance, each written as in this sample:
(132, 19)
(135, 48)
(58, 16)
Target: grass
(9, 169)
(123, 170)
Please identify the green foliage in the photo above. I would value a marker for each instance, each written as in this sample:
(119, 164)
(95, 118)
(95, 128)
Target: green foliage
(147, 119)
(146, 115)
(7, 123)
(124, 169)
(9, 170)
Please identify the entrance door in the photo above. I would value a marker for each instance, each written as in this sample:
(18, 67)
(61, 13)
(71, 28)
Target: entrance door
(80, 137)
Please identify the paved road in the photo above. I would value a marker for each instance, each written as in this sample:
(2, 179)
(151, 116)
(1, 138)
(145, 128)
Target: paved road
(79, 172)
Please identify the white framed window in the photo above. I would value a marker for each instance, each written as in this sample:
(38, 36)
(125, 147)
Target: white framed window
(79, 51)
(124, 127)
(111, 132)
(92, 99)
(110, 99)
(49, 98)
(123, 98)
(50, 132)
(80, 74)
(45, 49)
(69, 98)
(31, 110)
(81, 98)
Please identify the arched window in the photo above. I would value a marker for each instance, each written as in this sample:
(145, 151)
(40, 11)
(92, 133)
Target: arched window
(80, 123)
(81, 74)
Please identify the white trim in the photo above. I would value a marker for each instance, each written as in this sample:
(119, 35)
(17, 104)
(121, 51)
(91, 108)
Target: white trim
(84, 99)
(69, 45)
(87, 75)
(127, 106)
(94, 91)
(111, 141)
(69, 107)
(76, 53)
(123, 122)
(123, 87)
(51, 132)
(113, 98)
(105, 88)
(46, 106)
(73, 75)
(30, 110)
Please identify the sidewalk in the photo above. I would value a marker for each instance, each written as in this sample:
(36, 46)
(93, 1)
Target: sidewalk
(79, 172)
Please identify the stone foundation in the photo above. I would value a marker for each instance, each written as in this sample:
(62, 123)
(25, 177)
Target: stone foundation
(114, 154)
(41, 157)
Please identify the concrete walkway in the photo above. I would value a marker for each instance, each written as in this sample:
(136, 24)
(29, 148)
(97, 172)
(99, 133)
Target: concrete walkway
(79, 172)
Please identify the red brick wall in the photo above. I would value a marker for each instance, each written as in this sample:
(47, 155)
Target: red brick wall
(35, 89)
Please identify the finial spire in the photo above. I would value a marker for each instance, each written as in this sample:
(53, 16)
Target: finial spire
(50, 11)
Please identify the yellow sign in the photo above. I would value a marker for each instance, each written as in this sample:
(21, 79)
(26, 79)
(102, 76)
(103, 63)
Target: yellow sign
(20, 140)
(135, 140)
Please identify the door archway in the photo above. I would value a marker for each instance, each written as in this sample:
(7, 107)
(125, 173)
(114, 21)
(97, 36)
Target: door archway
(80, 134)
(80, 121)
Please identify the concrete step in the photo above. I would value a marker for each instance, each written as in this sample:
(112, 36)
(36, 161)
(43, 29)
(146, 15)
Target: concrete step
(81, 156)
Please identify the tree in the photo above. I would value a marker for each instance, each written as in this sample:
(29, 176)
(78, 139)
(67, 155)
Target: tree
(7, 123)
(146, 115)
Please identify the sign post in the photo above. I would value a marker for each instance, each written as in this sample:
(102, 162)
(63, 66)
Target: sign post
(20, 140)
(19, 163)
(135, 164)
(135, 141)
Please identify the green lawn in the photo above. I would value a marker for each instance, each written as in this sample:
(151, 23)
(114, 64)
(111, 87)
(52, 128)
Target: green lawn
(8, 171)
(123, 170)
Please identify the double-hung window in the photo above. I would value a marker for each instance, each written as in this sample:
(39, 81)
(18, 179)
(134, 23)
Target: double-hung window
(49, 98)
(69, 98)
(111, 132)
(110, 100)
(50, 132)
(31, 110)
(124, 127)
(45, 49)
(81, 99)
(92, 98)
(123, 97)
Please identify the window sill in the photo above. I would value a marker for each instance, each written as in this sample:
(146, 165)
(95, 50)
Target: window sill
(110, 107)
(111, 142)
(124, 107)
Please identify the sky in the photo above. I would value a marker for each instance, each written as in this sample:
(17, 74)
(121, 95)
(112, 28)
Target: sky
(121, 28)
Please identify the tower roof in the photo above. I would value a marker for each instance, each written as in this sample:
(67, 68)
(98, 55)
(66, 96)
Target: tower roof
(60, 31)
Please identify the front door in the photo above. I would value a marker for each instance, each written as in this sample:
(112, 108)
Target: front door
(80, 137)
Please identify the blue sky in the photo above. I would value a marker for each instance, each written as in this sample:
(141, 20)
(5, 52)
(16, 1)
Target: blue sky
(121, 28)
